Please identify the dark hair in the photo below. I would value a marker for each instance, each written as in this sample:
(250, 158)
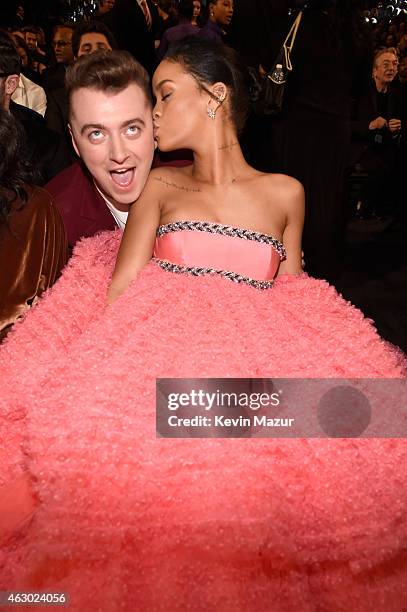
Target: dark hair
(29, 28)
(63, 25)
(88, 28)
(15, 170)
(9, 59)
(110, 71)
(210, 62)
(186, 9)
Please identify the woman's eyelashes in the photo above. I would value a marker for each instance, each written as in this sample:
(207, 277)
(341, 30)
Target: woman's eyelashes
(163, 98)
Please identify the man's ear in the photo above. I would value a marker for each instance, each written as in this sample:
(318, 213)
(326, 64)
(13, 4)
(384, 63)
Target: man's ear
(73, 140)
(11, 84)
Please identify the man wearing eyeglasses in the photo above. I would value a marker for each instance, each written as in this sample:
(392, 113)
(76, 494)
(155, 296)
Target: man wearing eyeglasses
(62, 44)
(377, 138)
(47, 151)
(54, 77)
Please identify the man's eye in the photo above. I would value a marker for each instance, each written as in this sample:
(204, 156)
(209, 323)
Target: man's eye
(133, 130)
(95, 135)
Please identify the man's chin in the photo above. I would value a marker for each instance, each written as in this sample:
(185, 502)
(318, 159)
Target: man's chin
(121, 201)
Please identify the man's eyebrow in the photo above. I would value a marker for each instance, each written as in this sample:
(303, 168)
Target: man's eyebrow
(161, 83)
(100, 126)
(95, 126)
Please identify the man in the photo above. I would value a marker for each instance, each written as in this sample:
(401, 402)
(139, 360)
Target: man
(31, 39)
(38, 56)
(46, 150)
(376, 135)
(62, 44)
(28, 92)
(92, 36)
(110, 121)
(87, 38)
(53, 77)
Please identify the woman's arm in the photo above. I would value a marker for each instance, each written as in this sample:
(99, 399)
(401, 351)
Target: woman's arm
(293, 203)
(138, 240)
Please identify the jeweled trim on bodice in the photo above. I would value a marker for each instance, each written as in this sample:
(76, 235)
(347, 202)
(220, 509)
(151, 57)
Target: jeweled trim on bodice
(224, 230)
(195, 271)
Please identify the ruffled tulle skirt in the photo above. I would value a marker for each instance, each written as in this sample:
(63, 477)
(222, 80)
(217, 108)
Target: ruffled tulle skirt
(125, 520)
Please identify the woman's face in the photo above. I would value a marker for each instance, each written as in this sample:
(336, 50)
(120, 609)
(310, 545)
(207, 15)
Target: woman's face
(197, 8)
(221, 12)
(179, 114)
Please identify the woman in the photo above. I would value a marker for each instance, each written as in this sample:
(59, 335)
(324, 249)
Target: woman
(220, 15)
(121, 518)
(33, 245)
(197, 12)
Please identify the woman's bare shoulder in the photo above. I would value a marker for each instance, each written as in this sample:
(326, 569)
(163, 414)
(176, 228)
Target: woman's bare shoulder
(284, 192)
(283, 185)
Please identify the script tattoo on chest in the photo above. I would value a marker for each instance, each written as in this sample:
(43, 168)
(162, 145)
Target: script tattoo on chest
(180, 187)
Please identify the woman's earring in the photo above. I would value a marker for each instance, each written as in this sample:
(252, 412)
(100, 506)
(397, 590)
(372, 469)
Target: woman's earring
(211, 113)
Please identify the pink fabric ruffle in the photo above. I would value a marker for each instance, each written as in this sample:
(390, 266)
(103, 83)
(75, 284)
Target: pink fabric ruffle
(126, 521)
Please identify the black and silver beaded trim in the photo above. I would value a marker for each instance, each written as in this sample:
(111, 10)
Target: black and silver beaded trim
(195, 271)
(224, 230)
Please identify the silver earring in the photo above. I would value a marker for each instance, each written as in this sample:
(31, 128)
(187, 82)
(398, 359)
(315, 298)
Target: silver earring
(211, 113)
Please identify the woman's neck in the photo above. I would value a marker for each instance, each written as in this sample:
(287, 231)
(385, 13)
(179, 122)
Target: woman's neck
(219, 160)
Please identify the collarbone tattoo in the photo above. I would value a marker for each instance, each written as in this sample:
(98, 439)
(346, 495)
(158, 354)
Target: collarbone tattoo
(160, 179)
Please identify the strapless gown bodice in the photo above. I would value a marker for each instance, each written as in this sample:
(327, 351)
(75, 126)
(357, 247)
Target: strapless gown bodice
(202, 247)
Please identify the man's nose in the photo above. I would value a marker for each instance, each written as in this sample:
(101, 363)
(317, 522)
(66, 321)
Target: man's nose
(118, 149)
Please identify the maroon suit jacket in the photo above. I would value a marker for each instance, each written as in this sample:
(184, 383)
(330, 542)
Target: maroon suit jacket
(82, 208)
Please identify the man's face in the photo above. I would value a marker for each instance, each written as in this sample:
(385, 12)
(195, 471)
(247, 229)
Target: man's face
(113, 134)
(91, 42)
(62, 44)
(31, 40)
(385, 69)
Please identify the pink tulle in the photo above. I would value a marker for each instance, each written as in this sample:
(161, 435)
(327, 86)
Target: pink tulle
(128, 521)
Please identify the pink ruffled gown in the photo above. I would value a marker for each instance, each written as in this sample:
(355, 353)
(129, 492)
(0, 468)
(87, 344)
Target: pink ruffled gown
(93, 503)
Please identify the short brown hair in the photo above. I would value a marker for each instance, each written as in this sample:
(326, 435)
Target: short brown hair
(110, 71)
